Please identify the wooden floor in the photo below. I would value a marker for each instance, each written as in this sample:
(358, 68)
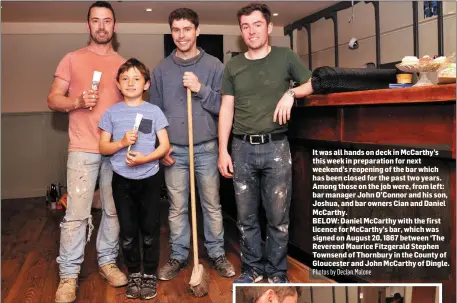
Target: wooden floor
(30, 245)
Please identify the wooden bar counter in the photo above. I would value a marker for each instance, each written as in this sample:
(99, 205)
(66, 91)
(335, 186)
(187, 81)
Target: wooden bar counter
(422, 117)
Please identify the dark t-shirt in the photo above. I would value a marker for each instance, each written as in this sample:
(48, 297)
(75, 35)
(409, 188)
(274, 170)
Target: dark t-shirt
(258, 85)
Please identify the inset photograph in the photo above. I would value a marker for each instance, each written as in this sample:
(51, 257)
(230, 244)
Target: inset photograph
(342, 293)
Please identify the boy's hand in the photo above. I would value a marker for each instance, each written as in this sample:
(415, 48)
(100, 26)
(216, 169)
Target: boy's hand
(190, 80)
(168, 160)
(130, 138)
(135, 158)
(88, 99)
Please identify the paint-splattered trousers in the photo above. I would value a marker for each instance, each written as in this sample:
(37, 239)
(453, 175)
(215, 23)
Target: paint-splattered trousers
(82, 172)
(207, 181)
(263, 172)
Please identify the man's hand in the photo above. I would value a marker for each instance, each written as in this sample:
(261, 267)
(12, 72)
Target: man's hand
(130, 138)
(225, 165)
(135, 158)
(168, 160)
(282, 111)
(87, 99)
(190, 80)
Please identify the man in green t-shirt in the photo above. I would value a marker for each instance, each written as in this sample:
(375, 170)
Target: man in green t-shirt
(256, 96)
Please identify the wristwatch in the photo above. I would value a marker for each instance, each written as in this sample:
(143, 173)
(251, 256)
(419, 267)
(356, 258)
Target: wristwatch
(291, 93)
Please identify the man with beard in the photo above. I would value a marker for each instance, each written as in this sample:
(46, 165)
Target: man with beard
(85, 164)
(256, 96)
(188, 66)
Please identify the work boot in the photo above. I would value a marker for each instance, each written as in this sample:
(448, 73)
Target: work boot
(223, 266)
(250, 275)
(113, 275)
(171, 269)
(66, 292)
(280, 278)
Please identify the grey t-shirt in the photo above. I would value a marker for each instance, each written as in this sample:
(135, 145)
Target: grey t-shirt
(119, 119)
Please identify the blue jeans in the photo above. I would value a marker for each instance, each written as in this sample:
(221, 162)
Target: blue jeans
(207, 180)
(263, 172)
(82, 171)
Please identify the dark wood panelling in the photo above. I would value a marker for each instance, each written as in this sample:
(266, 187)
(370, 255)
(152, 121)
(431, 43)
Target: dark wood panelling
(384, 124)
(301, 197)
(319, 124)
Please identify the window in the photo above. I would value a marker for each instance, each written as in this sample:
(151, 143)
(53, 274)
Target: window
(430, 9)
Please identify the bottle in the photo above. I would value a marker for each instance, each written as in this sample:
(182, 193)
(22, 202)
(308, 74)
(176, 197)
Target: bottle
(53, 192)
(53, 196)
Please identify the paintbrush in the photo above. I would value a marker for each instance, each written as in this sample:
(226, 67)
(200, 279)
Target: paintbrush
(136, 126)
(96, 81)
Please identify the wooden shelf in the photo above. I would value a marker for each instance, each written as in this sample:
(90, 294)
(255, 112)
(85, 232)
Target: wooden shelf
(434, 93)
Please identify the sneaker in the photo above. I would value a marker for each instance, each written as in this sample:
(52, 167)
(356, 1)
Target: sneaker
(223, 266)
(134, 286)
(171, 269)
(66, 292)
(112, 274)
(148, 287)
(249, 276)
(281, 278)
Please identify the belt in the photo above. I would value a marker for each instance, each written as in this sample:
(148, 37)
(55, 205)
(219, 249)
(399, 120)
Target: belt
(261, 139)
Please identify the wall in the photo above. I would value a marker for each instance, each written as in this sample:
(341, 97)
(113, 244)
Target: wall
(408, 293)
(322, 294)
(340, 294)
(353, 295)
(34, 147)
(306, 295)
(34, 139)
(50, 42)
(396, 21)
(371, 294)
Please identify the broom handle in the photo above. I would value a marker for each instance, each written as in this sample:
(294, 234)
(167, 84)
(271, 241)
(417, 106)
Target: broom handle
(192, 177)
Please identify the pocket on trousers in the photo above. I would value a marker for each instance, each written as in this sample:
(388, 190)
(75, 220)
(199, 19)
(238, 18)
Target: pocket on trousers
(210, 146)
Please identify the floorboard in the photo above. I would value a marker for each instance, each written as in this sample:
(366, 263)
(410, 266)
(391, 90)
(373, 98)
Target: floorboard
(30, 244)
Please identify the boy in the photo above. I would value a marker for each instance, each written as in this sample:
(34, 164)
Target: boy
(136, 187)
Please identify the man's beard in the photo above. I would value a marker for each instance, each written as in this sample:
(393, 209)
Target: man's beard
(106, 40)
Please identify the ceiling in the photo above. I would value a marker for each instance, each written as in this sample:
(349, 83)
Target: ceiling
(210, 12)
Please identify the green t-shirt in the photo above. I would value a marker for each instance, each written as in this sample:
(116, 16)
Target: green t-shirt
(258, 85)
